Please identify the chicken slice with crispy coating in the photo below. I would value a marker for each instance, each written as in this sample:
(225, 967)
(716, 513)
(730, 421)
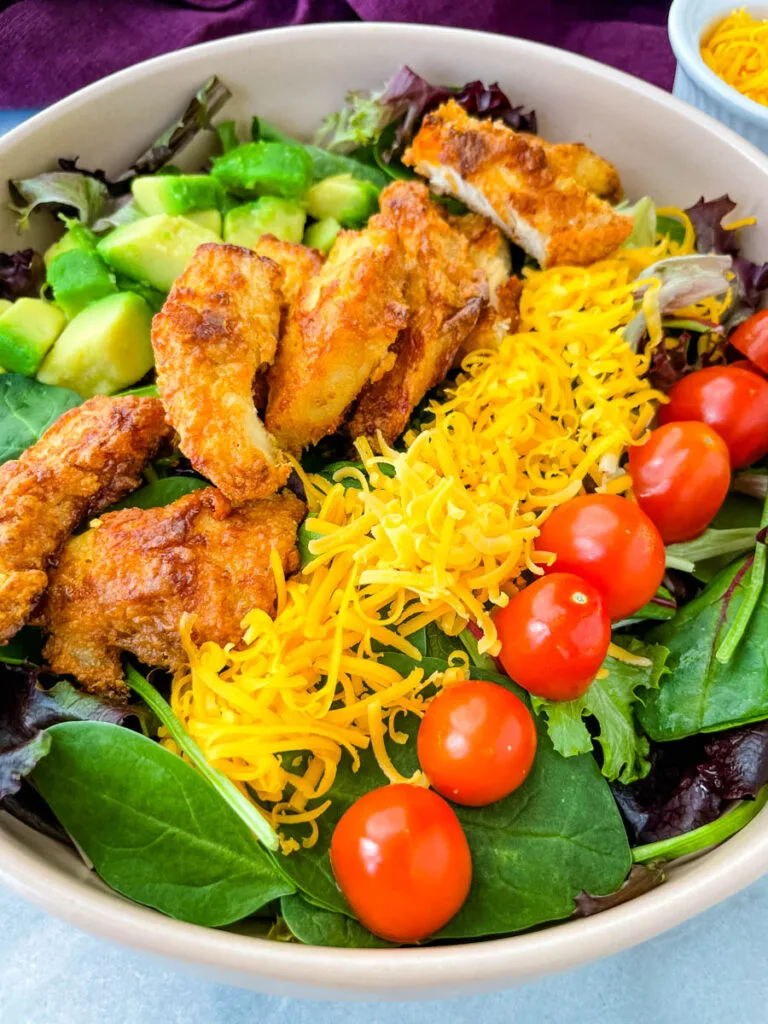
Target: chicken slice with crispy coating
(524, 185)
(124, 584)
(337, 335)
(446, 295)
(218, 328)
(91, 457)
(298, 263)
(489, 251)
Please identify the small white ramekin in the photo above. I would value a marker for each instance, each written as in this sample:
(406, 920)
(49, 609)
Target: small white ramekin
(696, 84)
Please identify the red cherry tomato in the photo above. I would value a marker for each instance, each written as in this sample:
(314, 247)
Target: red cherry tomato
(554, 636)
(751, 339)
(402, 861)
(681, 476)
(745, 364)
(731, 400)
(476, 743)
(610, 542)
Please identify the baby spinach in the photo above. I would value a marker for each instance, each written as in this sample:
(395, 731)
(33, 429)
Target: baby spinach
(319, 927)
(154, 828)
(611, 701)
(161, 492)
(533, 852)
(27, 409)
(700, 694)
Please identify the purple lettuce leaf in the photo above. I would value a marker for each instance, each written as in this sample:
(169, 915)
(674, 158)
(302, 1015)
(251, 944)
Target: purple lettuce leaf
(21, 274)
(691, 782)
(641, 879)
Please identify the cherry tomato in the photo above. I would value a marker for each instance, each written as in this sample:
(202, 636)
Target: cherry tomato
(476, 743)
(554, 636)
(751, 339)
(731, 400)
(745, 364)
(402, 861)
(610, 542)
(681, 477)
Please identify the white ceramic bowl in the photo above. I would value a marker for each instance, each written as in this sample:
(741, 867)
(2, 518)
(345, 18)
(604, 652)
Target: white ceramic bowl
(293, 77)
(689, 21)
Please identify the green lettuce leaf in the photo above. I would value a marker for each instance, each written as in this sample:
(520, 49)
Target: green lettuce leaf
(611, 702)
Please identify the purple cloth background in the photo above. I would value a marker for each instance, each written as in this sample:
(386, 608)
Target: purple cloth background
(49, 48)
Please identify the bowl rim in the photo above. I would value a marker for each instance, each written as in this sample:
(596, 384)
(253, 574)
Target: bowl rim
(688, 54)
(419, 971)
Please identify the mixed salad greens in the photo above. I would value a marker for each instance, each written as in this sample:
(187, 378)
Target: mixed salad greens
(663, 753)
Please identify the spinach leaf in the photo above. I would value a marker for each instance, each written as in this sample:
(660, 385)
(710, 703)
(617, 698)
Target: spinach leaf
(319, 927)
(611, 702)
(700, 694)
(161, 492)
(155, 830)
(671, 227)
(27, 409)
(26, 648)
(533, 852)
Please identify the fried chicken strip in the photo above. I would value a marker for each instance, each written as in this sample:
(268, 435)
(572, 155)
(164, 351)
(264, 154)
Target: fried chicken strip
(337, 335)
(298, 263)
(91, 457)
(445, 293)
(124, 584)
(536, 193)
(217, 330)
(489, 251)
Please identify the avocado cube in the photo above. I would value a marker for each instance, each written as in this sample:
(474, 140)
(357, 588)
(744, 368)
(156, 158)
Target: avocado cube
(104, 349)
(27, 331)
(210, 219)
(348, 200)
(5, 304)
(77, 236)
(270, 215)
(265, 168)
(176, 193)
(78, 277)
(322, 234)
(155, 249)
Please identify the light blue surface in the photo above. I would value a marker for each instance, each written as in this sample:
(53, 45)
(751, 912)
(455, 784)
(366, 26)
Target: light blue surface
(708, 971)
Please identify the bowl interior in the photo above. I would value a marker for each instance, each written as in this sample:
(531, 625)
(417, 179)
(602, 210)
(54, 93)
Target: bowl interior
(294, 77)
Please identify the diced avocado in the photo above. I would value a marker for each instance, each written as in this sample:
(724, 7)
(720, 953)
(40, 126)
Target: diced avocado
(322, 234)
(176, 193)
(348, 200)
(210, 219)
(106, 348)
(27, 331)
(154, 249)
(244, 225)
(5, 304)
(265, 168)
(77, 236)
(78, 277)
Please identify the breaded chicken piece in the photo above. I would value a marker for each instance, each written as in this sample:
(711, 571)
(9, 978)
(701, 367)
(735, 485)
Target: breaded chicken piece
(298, 263)
(91, 457)
(446, 295)
(337, 335)
(218, 328)
(489, 251)
(514, 179)
(592, 172)
(124, 584)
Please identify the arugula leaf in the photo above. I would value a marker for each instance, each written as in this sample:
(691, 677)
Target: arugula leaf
(611, 702)
(533, 852)
(27, 409)
(318, 927)
(161, 492)
(154, 828)
(700, 694)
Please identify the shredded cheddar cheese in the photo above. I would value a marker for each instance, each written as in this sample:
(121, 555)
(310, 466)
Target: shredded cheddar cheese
(737, 51)
(443, 531)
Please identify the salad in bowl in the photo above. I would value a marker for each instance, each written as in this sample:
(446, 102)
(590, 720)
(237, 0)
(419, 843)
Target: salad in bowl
(382, 523)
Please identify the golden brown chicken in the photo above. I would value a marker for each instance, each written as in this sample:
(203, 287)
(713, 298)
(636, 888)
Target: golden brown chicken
(91, 457)
(489, 251)
(297, 262)
(337, 335)
(124, 584)
(526, 187)
(216, 332)
(592, 172)
(445, 293)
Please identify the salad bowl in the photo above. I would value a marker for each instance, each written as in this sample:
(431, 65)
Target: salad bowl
(293, 78)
